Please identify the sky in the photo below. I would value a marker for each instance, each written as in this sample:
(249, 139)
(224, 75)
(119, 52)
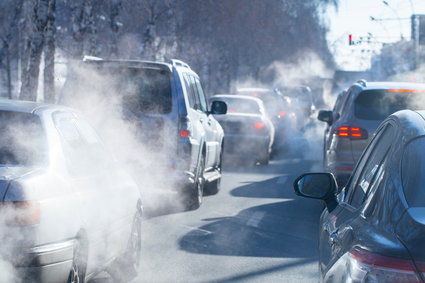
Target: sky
(392, 22)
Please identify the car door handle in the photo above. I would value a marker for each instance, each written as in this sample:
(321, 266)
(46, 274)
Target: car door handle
(333, 238)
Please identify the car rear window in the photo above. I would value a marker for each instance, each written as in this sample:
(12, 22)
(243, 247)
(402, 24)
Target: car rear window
(247, 106)
(22, 139)
(145, 91)
(413, 166)
(378, 104)
(273, 102)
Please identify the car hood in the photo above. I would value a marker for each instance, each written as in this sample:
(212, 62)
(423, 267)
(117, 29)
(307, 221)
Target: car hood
(8, 174)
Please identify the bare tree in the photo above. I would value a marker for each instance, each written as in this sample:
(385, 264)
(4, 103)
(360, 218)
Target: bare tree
(39, 19)
(49, 54)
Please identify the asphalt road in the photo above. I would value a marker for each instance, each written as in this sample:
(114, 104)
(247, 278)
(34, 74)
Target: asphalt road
(254, 230)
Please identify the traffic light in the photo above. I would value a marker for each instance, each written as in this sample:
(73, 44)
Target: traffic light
(350, 39)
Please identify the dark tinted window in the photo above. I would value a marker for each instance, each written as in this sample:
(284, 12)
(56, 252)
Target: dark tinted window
(370, 165)
(378, 104)
(412, 172)
(145, 90)
(22, 139)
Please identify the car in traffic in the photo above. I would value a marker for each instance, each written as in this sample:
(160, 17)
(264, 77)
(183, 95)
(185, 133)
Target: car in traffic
(276, 107)
(248, 132)
(357, 113)
(168, 106)
(68, 209)
(373, 230)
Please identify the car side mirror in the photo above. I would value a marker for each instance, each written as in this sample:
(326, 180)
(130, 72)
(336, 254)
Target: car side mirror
(318, 186)
(326, 116)
(218, 107)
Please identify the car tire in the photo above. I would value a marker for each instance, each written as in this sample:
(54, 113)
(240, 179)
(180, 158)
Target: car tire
(77, 273)
(213, 187)
(264, 160)
(194, 198)
(124, 269)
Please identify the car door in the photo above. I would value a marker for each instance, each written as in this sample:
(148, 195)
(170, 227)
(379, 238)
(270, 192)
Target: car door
(86, 167)
(210, 126)
(336, 233)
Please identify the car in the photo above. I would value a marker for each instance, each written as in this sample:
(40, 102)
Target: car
(276, 108)
(303, 101)
(373, 230)
(173, 120)
(248, 132)
(68, 209)
(357, 113)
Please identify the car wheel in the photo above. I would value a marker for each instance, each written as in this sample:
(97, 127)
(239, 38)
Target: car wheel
(125, 267)
(195, 196)
(77, 273)
(213, 187)
(264, 160)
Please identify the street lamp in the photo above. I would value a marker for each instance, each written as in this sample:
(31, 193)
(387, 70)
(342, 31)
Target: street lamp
(397, 16)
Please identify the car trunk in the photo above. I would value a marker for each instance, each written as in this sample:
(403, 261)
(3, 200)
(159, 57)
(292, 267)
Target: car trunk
(411, 231)
(9, 173)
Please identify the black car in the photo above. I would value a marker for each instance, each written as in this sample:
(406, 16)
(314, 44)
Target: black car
(374, 229)
(166, 103)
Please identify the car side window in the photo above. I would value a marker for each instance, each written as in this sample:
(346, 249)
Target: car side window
(370, 165)
(190, 93)
(202, 98)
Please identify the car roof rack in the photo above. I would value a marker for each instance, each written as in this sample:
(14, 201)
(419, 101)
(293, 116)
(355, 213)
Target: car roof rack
(91, 58)
(180, 63)
(362, 83)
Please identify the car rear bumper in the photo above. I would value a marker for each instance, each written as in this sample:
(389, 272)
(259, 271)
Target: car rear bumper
(244, 145)
(47, 263)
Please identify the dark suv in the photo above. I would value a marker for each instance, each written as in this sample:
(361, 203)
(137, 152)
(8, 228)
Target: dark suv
(167, 104)
(357, 113)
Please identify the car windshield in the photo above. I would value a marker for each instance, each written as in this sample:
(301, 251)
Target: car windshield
(239, 105)
(378, 104)
(413, 166)
(22, 139)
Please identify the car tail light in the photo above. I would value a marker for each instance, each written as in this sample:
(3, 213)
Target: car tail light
(282, 113)
(352, 132)
(20, 213)
(367, 266)
(185, 127)
(259, 125)
(184, 133)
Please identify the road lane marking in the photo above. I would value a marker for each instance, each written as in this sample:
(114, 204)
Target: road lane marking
(282, 179)
(255, 219)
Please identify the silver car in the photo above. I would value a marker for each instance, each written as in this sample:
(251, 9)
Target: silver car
(248, 132)
(68, 210)
(357, 114)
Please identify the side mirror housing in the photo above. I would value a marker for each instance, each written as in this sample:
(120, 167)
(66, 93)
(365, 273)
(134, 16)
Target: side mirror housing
(318, 186)
(326, 116)
(218, 107)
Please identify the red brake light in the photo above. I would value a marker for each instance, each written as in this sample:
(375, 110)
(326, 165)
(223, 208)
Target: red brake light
(373, 259)
(230, 111)
(281, 113)
(259, 125)
(352, 132)
(184, 133)
(406, 90)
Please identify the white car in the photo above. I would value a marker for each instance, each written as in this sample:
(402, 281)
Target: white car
(68, 210)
